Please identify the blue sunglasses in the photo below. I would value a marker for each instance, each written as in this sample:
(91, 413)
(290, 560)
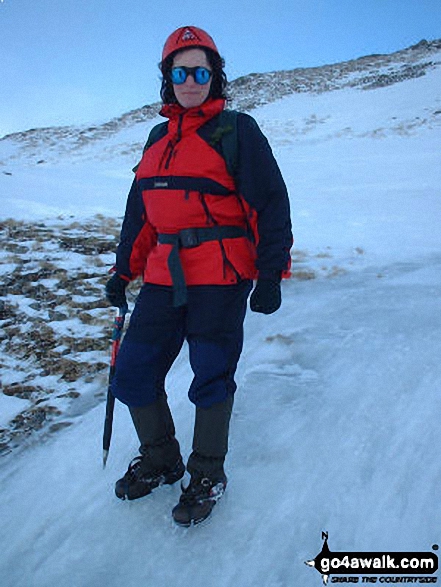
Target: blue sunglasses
(201, 75)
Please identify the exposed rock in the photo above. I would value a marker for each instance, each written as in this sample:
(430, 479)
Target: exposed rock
(52, 314)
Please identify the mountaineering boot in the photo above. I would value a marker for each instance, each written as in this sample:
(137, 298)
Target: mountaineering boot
(198, 499)
(205, 464)
(160, 460)
(158, 464)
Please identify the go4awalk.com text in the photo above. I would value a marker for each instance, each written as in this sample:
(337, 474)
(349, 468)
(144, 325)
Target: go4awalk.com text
(394, 567)
(379, 563)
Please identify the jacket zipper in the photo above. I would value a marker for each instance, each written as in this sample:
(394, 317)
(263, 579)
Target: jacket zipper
(172, 144)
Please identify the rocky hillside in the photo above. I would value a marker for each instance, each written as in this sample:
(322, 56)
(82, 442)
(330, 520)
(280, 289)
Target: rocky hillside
(370, 72)
(38, 146)
(54, 319)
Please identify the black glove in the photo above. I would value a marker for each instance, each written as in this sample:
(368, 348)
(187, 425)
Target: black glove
(266, 297)
(116, 291)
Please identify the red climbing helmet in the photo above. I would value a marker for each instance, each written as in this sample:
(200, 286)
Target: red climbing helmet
(187, 37)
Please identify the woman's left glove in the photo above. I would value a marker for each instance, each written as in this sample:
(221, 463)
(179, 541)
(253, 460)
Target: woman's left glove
(266, 297)
(116, 291)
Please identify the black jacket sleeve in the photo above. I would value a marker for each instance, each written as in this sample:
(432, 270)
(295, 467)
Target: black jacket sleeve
(260, 183)
(137, 237)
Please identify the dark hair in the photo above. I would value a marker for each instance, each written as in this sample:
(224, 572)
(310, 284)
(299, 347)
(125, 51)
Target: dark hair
(219, 81)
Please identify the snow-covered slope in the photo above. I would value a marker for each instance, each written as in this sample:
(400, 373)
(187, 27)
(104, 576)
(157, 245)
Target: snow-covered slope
(336, 420)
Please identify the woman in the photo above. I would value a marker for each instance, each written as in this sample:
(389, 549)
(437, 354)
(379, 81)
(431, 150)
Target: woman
(199, 233)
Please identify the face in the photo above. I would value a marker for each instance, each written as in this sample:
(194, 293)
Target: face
(190, 94)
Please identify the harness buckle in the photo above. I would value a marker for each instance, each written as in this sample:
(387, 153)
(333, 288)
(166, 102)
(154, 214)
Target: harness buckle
(189, 238)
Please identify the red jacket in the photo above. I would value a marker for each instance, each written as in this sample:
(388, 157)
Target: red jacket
(182, 182)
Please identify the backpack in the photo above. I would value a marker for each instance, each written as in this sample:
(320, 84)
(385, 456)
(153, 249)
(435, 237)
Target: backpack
(224, 138)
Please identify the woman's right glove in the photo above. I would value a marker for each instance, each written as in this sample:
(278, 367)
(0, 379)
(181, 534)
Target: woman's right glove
(116, 291)
(266, 297)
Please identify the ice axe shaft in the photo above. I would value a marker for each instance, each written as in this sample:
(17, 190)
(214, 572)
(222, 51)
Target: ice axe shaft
(118, 326)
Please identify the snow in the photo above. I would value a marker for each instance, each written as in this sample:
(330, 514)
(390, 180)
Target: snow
(10, 407)
(336, 420)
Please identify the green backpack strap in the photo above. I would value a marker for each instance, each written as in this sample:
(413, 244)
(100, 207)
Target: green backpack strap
(156, 133)
(226, 134)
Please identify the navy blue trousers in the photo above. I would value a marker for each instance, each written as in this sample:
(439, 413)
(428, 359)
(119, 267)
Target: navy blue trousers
(212, 324)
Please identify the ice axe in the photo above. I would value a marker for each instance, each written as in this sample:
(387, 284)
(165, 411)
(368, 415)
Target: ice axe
(118, 326)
